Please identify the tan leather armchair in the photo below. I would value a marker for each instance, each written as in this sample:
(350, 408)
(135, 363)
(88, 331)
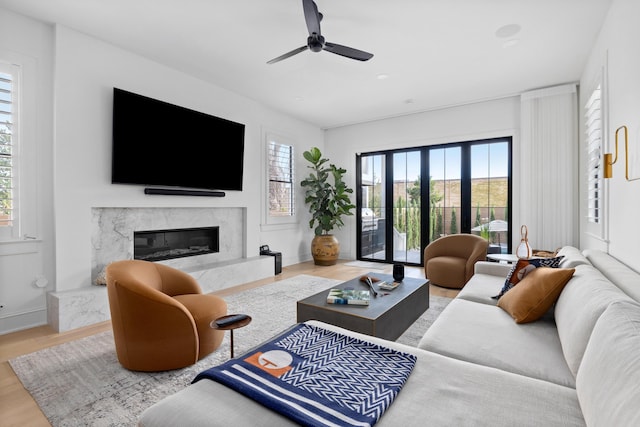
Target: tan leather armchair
(449, 261)
(160, 317)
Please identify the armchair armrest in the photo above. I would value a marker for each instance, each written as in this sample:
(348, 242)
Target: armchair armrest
(177, 282)
(479, 254)
(149, 323)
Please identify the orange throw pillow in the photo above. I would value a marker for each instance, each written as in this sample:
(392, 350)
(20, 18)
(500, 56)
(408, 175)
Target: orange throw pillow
(535, 294)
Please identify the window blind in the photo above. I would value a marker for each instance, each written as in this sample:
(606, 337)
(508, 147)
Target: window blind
(7, 123)
(281, 180)
(593, 126)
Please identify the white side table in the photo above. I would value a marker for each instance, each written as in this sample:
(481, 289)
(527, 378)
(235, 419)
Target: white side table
(508, 258)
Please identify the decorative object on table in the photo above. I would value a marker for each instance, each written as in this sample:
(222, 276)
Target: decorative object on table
(328, 201)
(371, 288)
(386, 286)
(608, 163)
(524, 250)
(369, 281)
(349, 296)
(398, 272)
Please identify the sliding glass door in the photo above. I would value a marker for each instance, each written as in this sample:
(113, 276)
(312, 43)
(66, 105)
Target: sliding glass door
(490, 194)
(407, 215)
(445, 195)
(465, 187)
(372, 207)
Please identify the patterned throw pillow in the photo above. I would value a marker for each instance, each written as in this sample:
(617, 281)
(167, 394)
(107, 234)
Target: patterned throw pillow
(523, 267)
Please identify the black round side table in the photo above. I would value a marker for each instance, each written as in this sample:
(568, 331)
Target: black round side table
(231, 322)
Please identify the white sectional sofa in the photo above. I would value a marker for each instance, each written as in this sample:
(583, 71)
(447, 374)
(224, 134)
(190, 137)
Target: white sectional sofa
(577, 365)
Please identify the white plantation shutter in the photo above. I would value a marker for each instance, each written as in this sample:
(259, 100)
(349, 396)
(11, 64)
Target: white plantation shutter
(594, 141)
(281, 180)
(8, 140)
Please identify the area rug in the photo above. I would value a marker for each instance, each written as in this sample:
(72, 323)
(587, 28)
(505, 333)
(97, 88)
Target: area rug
(368, 264)
(81, 383)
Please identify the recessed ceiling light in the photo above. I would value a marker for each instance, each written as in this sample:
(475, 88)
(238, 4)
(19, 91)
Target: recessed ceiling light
(382, 76)
(508, 31)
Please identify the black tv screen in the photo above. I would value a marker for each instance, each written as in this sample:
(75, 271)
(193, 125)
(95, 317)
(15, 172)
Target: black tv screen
(160, 144)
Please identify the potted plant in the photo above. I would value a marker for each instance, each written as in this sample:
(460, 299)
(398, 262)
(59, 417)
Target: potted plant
(328, 199)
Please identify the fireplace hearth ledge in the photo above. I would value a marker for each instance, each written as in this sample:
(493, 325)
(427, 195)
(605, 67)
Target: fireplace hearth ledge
(76, 308)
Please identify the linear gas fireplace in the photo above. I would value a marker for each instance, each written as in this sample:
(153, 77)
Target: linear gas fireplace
(157, 245)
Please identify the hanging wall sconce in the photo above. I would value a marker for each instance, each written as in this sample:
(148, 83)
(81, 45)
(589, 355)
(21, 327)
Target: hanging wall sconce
(608, 163)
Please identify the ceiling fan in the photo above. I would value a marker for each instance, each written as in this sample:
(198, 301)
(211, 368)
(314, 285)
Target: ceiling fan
(316, 42)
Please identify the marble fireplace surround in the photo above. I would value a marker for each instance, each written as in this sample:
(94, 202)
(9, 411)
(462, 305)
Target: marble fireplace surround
(112, 239)
(113, 228)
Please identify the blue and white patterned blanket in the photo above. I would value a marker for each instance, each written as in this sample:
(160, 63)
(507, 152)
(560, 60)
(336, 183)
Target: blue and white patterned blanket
(318, 377)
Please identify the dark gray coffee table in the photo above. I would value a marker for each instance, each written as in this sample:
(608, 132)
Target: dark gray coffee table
(385, 317)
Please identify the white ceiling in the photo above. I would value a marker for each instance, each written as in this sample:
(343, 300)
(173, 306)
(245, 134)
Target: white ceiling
(436, 53)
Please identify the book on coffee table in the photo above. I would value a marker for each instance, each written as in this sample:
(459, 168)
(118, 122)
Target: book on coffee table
(348, 296)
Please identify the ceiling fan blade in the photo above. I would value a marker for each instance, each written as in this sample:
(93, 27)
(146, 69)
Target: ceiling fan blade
(312, 16)
(288, 54)
(348, 52)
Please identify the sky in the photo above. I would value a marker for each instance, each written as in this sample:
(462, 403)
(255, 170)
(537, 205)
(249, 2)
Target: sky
(487, 160)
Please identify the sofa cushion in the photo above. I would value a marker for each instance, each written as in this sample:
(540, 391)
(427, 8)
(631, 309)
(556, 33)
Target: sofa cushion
(608, 378)
(440, 391)
(521, 268)
(582, 301)
(535, 293)
(487, 335)
(492, 268)
(479, 289)
(483, 283)
(624, 277)
(572, 257)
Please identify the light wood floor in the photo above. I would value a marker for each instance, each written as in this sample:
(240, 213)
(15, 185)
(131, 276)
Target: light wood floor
(17, 407)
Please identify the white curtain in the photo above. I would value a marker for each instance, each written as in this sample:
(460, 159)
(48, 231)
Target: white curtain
(549, 167)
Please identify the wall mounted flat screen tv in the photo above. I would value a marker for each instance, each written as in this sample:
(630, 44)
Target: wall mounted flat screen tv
(156, 143)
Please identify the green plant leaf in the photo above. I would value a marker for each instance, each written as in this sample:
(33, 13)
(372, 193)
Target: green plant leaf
(326, 194)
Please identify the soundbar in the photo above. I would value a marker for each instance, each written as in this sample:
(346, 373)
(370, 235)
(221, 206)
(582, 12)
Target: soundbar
(179, 192)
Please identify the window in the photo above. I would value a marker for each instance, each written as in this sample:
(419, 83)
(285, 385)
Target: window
(409, 197)
(8, 144)
(593, 128)
(281, 180)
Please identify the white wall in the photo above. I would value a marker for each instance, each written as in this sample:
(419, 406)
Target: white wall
(29, 44)
(86, 70)
(616, 50)
(66, 143)
(491, 119)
